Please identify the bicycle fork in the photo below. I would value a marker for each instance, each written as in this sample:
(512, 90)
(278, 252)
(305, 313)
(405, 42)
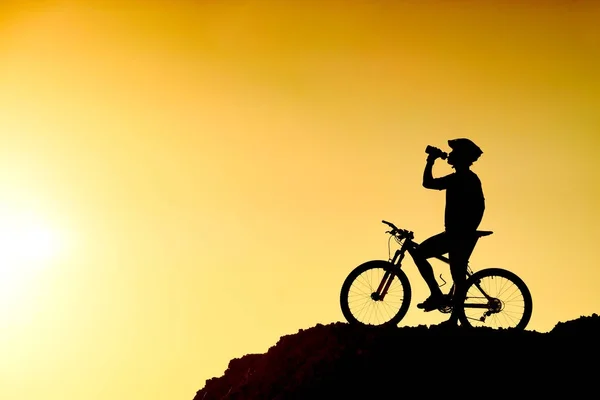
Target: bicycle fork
(388, 277)
(384, 285)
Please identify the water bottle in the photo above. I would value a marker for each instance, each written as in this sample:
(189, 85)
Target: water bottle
(435, 151)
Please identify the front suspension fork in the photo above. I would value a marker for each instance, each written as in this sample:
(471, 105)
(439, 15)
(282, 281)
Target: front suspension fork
(388, 277)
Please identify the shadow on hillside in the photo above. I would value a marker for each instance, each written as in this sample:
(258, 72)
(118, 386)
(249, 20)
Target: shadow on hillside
(341, 361)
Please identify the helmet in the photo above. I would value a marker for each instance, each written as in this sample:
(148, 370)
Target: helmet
(466, 148)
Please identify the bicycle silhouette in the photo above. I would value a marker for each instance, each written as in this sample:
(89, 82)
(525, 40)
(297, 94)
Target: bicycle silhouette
(378, 292)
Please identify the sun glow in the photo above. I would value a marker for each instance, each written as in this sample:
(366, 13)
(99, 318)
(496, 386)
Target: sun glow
(25, 240)
(28, 244)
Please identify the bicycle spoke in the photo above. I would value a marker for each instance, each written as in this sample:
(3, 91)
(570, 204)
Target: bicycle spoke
(496, 298)
(362, 302)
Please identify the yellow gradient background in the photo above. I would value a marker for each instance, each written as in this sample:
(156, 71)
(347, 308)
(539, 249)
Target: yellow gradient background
(216, 169)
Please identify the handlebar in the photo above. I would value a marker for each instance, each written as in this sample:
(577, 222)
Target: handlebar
(394, 227)
(397, 231)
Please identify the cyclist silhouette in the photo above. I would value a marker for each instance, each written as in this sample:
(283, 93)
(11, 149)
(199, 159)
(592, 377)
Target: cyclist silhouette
(465, 205)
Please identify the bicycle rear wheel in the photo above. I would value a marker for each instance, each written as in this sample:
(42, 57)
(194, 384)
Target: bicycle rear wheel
(375, 293)
(496, 298)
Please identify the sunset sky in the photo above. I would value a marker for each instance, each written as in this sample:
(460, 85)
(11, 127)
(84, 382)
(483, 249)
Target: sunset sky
(183, 182)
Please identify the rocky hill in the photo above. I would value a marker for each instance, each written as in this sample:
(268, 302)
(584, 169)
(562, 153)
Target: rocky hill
(341, 361)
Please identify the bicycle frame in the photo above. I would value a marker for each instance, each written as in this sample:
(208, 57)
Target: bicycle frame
(407, 243)
(397, 259)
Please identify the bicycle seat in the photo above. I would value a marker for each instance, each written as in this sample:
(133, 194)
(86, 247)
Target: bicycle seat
(483, 233)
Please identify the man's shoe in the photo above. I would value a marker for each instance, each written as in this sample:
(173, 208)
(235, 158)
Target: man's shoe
(432, 303)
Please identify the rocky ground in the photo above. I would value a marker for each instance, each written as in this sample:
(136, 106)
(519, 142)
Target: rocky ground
(341, 361)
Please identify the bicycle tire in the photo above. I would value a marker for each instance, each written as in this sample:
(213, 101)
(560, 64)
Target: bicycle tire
(513, 310)
(358, 288)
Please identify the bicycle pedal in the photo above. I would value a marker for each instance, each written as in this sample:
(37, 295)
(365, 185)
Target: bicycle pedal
(445, 309)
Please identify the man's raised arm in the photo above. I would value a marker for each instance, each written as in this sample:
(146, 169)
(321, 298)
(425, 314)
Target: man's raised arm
(429, 182)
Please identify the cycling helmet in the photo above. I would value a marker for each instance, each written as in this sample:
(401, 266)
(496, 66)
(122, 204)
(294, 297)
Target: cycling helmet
(466, 148)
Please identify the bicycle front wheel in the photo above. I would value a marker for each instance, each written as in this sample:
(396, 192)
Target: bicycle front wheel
(375, 293)
(496, 298)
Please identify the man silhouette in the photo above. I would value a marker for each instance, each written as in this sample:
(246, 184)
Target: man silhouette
(465, 204)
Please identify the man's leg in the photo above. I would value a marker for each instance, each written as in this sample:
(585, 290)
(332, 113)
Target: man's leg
(434, 246)
(461, 247)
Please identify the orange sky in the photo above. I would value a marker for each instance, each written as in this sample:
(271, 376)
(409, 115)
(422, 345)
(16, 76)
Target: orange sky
(202, 176)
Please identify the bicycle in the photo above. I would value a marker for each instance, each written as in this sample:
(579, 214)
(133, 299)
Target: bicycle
(492, 297)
